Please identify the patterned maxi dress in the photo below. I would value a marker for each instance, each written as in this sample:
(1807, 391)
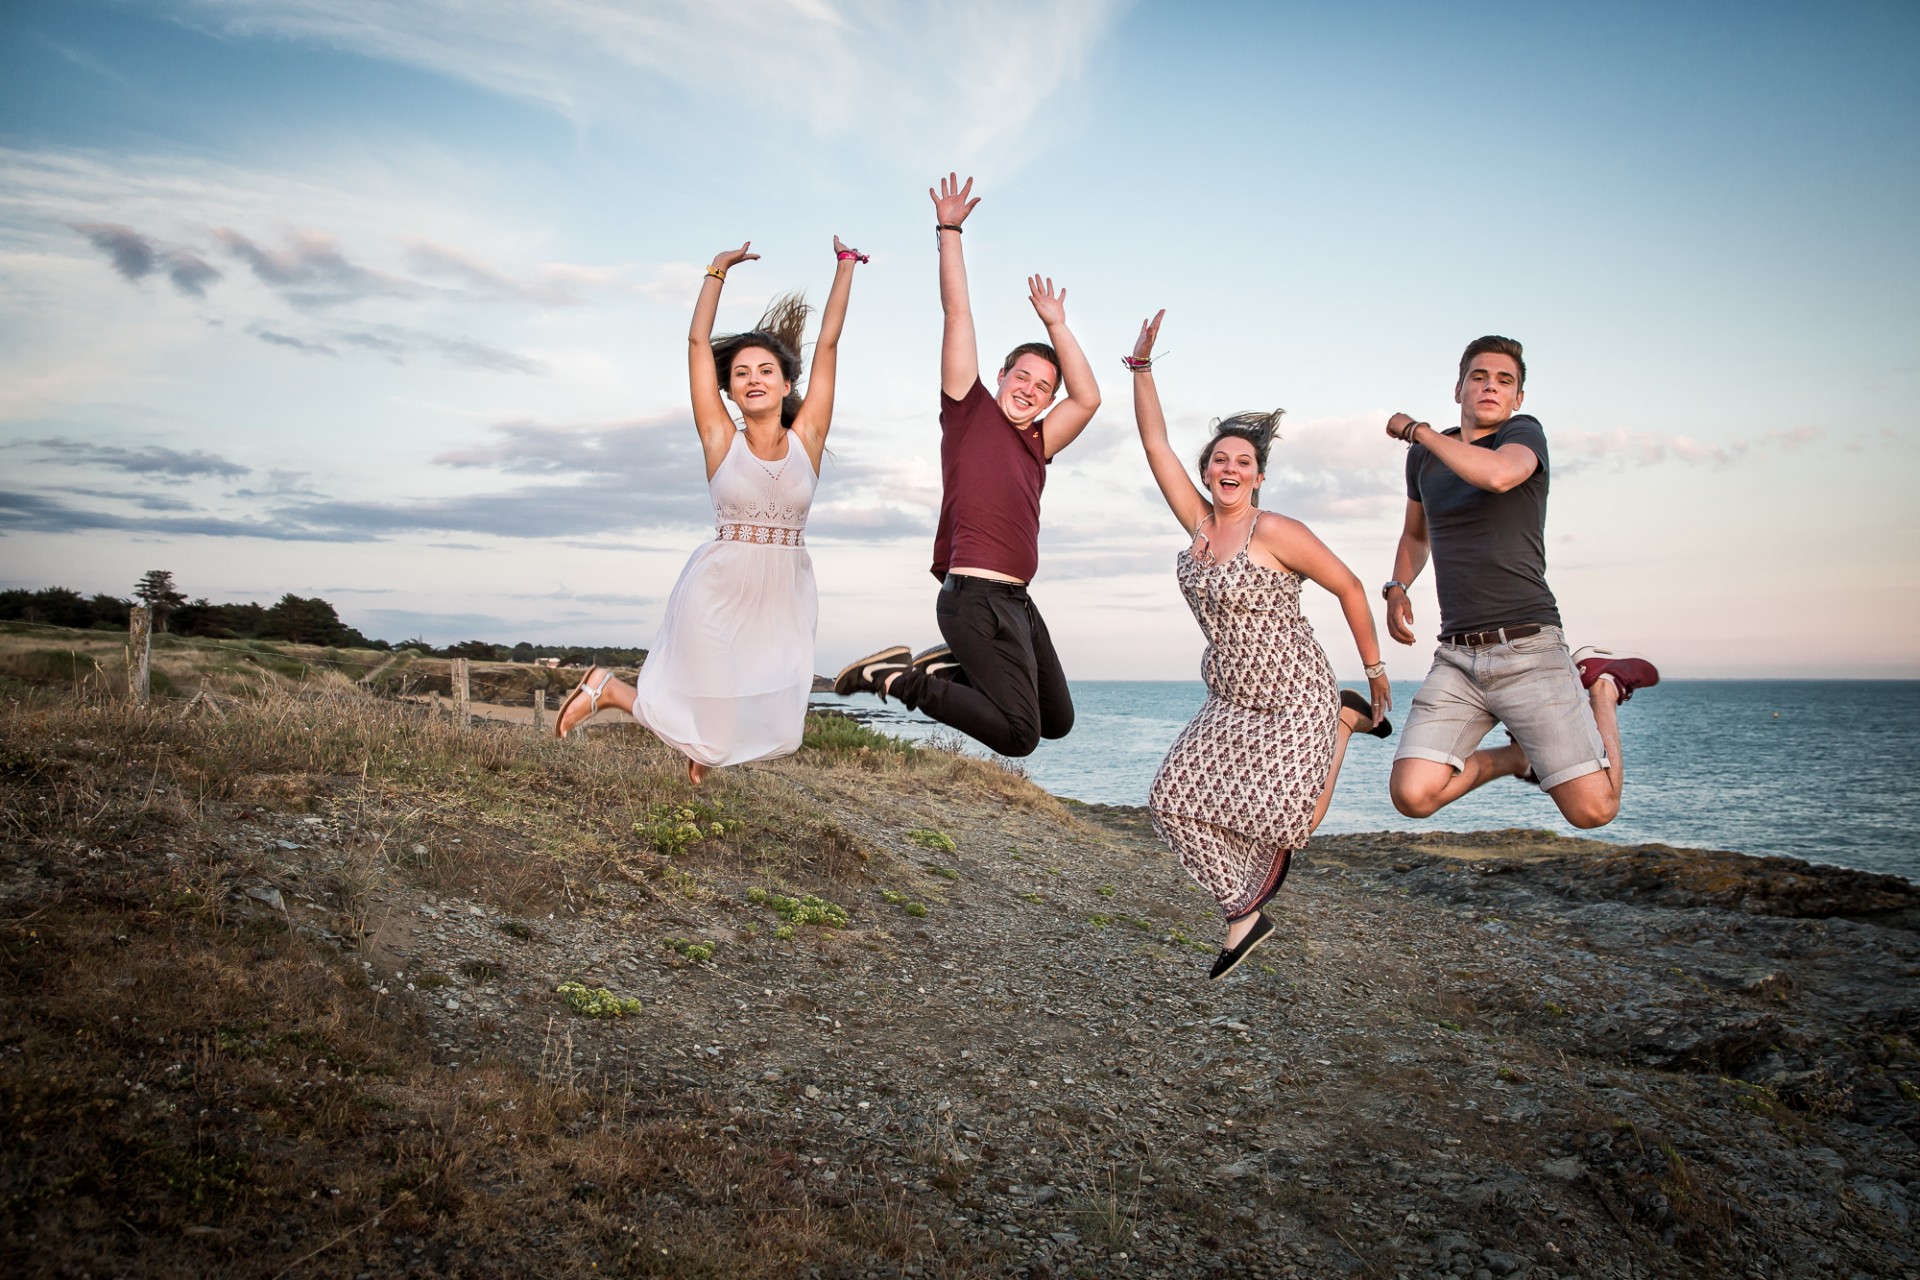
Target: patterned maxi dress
(727, 678)
(1236, 792)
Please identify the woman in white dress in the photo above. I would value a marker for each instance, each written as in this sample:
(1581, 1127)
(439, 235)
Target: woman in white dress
(727, 677)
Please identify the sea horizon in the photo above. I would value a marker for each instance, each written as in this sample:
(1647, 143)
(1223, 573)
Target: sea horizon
(1753, 765)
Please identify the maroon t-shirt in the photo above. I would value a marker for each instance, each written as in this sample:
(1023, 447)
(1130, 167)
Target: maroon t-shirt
(991, 474)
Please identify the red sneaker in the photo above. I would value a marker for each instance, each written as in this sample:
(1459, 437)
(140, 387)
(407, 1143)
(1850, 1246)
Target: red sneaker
(1630, 671)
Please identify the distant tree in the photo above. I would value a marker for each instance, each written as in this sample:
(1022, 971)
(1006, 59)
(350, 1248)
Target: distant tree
(304, 621)
(109, 611)
(157, 592)
(523, 652)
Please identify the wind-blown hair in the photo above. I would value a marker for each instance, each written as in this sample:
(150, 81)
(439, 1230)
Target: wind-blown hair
(780, 330)
(1258, 429)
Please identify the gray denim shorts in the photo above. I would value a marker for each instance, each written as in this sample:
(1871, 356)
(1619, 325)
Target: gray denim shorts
(1530, 685)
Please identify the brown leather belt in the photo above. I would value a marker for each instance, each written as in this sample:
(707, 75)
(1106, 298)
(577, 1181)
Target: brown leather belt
(1479, 639)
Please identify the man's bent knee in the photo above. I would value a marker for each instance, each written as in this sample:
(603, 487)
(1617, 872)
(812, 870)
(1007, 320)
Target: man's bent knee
(1586, 806)
(1415, 790)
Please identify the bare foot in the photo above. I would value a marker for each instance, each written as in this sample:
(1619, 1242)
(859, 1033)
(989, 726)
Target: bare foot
(581, 703)
(696, 772)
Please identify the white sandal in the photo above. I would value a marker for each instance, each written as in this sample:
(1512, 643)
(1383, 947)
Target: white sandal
(590, 692)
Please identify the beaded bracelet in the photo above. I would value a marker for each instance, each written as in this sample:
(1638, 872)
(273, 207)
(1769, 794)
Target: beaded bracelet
(855, 254)
(954, 227)
(716, 273)
(1137, 364)
(1375, 671)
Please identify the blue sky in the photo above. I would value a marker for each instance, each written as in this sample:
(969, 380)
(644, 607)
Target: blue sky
(385, 302)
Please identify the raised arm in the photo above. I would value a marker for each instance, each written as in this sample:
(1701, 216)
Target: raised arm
(959, 354)
(1189, 505)
(1069, 418)
(710, 417)
(1409, 558)
(1495, 470)
(816, 410)
(1294, 545)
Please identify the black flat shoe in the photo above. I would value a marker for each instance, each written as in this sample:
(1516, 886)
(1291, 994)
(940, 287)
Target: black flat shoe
(1230, 959)
(1354, 702)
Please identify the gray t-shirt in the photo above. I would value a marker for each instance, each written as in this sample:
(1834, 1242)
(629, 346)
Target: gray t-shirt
(1489, 549)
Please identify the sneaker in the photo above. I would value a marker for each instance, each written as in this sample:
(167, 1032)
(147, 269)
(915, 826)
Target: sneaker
(857, 676)
(1629, 671)
(936, 663)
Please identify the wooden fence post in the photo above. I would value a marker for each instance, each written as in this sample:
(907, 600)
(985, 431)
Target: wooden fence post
(139, 648)
(462, 698)
(539, 711)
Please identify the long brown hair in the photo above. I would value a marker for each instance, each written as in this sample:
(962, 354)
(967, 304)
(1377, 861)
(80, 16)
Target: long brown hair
(781, 327)
(1258, 429)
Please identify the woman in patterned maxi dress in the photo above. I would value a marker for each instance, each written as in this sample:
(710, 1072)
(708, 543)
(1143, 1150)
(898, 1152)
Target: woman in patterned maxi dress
(727, 677)
(1249, 779)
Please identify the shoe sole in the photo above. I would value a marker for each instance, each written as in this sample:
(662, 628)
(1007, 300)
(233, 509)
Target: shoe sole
(1252, 944)
(1631, 670)
(852, 678)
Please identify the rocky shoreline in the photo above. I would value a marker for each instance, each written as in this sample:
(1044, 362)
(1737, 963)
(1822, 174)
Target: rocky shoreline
(1494, 1054)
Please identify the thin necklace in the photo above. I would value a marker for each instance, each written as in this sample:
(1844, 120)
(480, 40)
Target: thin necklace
(773, 473)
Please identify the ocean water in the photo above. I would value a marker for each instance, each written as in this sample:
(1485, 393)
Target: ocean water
(1819, 769)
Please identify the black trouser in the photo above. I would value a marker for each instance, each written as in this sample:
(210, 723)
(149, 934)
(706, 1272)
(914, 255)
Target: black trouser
(1010, 691)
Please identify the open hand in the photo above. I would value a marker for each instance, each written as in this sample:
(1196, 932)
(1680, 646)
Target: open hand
(1051, 307)
(951, 203)
(733, 257)
(1149, 330)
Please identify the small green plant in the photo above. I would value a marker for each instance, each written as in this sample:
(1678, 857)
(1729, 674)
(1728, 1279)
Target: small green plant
(918, 910)
(1105, 891)
(928, 838)
(699, 952)
(1099, 921)
(1179, 936)
(1031, 896)
(673, 827)
(945, 873)
(784, 932)
(596, 1002)
(808, 909)
(841, 735)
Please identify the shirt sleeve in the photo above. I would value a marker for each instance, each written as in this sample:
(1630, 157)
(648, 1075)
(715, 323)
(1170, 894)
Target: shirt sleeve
(1416, 454)
(1527, 431)
(957, 415)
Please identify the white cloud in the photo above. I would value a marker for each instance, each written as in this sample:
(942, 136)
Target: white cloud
(954, 78)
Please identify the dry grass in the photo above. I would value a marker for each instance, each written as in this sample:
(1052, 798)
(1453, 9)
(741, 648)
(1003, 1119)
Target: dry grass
(187, 1088)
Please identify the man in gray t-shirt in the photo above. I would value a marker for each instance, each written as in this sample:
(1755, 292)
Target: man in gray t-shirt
(1477, 504)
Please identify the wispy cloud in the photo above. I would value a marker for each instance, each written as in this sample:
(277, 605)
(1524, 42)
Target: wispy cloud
(950, 79)
(152, 460)
(311, 271)
(136, 257)
(290, 342)
(37, 513)
(400, 344)
(1584, 450)
(556, 285)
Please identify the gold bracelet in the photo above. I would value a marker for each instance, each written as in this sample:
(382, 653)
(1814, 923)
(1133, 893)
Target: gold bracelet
(716, 273)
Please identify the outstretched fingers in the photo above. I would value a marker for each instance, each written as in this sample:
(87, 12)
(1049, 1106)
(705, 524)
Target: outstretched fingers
(733, 257)
(1051, 306)
(1149, 331)
(953, 201)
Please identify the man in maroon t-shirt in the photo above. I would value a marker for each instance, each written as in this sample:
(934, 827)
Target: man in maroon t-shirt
(997, 678)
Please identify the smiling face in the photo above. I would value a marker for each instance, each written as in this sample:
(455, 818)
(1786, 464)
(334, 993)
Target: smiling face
(755, 381)
(1026, 388)
(1232, 473)
(1489, 392)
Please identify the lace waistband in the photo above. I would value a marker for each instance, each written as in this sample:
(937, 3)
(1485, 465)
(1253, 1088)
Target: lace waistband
(766, 535)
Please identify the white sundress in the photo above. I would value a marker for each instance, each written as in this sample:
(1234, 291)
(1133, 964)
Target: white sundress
(727, 678)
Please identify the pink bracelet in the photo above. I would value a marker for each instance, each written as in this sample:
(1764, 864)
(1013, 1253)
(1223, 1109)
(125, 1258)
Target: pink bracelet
(1137, 364)
(855, 254)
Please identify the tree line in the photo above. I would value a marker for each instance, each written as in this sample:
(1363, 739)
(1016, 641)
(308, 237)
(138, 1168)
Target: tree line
(293, 619)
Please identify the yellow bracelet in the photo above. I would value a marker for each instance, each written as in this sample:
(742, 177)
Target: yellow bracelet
(716, 273)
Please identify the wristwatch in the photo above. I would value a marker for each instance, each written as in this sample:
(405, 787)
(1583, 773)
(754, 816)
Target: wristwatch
(1390, 586)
